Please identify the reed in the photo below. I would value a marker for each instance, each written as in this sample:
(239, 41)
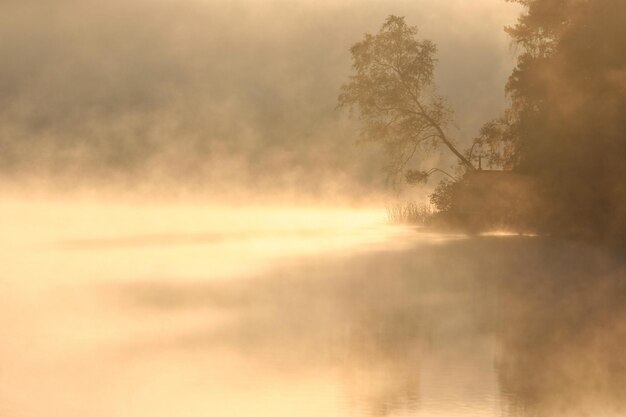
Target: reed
(410, 213)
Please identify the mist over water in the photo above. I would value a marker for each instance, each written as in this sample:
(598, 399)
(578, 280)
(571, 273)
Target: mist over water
(284, 311)
(214, 97)
(187, 227)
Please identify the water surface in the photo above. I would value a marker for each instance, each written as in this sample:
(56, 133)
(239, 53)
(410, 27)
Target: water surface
(130, 311)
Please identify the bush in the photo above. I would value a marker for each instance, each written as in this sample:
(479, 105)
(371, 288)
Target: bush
(443, 195)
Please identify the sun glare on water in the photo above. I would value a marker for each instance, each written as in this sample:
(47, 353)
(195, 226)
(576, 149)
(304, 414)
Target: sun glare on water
(72, 272)
(103, 242)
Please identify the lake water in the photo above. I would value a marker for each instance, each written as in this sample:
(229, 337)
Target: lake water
(143, 310)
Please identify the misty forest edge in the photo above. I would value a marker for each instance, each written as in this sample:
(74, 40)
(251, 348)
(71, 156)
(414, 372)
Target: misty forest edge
(555, 158)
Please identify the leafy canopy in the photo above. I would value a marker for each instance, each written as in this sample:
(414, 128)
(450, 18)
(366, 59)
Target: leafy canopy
(393, 91)
(565, 126)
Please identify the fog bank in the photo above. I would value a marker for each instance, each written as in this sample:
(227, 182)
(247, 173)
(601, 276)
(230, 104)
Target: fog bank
(218, 96)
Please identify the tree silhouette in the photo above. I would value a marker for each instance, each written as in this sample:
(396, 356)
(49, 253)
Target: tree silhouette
(393, 90)
(565, 125)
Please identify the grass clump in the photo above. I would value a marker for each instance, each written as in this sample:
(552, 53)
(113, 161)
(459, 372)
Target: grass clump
(410, 213)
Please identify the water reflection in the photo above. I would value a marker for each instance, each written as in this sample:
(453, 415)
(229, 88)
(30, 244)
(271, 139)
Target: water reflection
(503, 326)
(436, 326)
(562, 336)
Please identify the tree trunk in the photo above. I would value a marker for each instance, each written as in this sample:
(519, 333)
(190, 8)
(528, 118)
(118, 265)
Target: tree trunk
(450, 146)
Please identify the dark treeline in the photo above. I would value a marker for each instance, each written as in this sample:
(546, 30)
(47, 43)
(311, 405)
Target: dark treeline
(565, 128)
(555, 155)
